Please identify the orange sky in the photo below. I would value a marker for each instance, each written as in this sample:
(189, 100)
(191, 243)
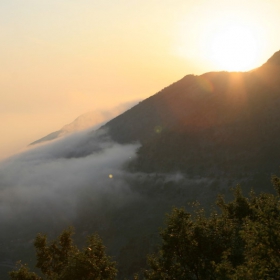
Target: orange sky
(60, 59)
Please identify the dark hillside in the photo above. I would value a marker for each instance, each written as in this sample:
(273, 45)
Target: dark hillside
(219, 122)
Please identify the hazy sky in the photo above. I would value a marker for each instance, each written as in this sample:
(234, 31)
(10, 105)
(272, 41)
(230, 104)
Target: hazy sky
(62, 58)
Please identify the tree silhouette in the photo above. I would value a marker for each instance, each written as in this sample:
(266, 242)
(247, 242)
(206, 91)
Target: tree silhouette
(61, 259)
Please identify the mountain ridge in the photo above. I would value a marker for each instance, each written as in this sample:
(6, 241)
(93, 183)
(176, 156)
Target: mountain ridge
(226, 118)
(218, 122)
(192, 87)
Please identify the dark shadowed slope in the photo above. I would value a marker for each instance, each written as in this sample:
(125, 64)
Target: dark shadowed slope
(199, 102)
(217, 122)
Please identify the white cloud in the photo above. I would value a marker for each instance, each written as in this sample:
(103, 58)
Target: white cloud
(51, 180)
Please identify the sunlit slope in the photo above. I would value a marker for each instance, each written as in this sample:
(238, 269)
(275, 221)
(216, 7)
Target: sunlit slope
(217, 122)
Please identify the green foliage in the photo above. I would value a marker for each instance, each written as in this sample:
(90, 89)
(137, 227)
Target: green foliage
(191, 246)
(262, 236)
(62, 260)
(243, 242)
(23, 273)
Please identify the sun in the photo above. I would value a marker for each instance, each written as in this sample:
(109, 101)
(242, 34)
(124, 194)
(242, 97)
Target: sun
(224, 38)
(234, 47)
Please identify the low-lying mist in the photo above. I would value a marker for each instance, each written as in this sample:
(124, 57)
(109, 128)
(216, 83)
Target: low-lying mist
(48, 182)
(81, 179)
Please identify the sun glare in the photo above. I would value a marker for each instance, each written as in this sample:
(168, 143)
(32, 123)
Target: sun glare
(234, 48)
(227, 38)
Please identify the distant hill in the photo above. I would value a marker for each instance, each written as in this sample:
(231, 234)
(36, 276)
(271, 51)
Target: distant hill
(90, 119)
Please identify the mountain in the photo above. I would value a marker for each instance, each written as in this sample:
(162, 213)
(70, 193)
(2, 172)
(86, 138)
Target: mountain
(194, 139)
(222, 123)
(218, 123)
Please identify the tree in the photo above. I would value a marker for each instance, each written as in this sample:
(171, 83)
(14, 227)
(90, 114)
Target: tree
(262, 237)
(192, 246)
(242, 242)
(61, 259)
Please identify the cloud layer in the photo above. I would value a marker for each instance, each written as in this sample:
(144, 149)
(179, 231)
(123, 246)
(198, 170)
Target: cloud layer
(51, 181)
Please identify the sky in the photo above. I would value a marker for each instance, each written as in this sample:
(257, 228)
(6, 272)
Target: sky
(62, 58)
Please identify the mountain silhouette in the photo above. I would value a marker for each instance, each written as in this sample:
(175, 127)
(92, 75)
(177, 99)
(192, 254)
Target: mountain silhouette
(221, 122)
(198, 102)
